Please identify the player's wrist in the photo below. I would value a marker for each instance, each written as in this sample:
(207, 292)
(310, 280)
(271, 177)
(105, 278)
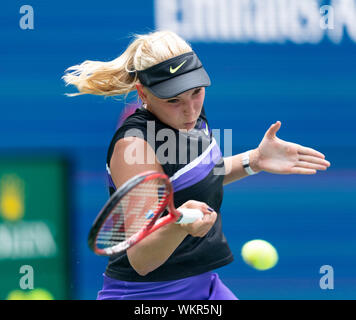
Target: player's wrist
(250, 161)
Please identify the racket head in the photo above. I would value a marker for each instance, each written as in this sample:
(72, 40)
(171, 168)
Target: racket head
(131, 213)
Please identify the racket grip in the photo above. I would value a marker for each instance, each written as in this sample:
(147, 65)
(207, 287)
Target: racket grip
(189, 215)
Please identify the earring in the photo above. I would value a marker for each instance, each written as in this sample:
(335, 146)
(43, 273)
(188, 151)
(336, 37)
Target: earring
(144, 105)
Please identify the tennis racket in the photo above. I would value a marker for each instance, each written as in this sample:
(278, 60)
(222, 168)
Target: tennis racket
(135, 210)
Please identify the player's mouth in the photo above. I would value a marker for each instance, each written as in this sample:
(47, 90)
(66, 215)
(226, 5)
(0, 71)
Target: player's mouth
(189, 125)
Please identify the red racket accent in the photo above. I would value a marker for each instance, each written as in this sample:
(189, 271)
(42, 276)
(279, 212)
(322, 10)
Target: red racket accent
(132, 213)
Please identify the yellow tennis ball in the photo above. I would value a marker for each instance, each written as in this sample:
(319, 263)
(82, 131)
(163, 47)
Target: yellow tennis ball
(35, 294)
(16, 295)
(259, 254)
(41, 294)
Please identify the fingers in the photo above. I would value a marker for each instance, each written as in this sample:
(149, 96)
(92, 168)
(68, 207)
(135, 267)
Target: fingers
(310, 152)
(310, 164)
(208, 221)
(271, 132)
(313, 162)
(299, 170)
(194, 204)
(202, 226)
(309, 161)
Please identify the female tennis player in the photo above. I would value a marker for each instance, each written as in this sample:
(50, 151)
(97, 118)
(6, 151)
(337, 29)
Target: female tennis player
(170, 134)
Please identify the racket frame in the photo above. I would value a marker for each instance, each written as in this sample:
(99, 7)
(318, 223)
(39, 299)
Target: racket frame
(155, 223)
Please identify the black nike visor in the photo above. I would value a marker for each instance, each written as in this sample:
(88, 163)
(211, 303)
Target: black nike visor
(174, 76)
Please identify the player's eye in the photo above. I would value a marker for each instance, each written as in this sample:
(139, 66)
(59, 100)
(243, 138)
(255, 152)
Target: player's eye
(196, 91)
(173, 100)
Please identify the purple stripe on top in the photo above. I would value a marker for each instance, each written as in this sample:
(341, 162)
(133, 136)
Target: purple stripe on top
(190, 176)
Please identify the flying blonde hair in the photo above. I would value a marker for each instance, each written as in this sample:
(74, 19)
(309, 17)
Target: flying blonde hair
(112, 78)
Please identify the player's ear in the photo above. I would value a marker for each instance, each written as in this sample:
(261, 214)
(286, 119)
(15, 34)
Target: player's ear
(141, 92)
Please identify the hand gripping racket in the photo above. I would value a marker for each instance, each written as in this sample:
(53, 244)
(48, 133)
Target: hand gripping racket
(134, 211)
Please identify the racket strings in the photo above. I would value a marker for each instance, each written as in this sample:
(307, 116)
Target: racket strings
(133, 212)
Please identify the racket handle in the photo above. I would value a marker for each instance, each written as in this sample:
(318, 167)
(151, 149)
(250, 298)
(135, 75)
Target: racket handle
(189, 215)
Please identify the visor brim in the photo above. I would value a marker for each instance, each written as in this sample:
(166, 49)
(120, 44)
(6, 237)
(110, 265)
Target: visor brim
(175, 86)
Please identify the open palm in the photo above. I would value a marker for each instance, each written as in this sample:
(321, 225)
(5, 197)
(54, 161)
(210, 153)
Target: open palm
(279, 156)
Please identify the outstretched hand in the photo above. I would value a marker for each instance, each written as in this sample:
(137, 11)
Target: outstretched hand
(278, 156)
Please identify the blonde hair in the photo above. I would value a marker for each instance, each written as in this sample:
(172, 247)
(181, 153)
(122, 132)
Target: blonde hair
(112, 78)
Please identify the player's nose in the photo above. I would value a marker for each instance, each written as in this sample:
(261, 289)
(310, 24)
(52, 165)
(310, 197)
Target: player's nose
(189, 109)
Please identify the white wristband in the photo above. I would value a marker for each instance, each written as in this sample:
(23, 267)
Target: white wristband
(246, 163)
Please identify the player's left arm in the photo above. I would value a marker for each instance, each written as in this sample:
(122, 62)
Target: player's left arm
(274, 155)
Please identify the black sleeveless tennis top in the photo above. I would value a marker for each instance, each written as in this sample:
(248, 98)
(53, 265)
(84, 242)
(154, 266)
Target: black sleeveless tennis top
(194, 163)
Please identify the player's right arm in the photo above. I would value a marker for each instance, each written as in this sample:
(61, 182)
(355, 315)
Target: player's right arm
(132, 156)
